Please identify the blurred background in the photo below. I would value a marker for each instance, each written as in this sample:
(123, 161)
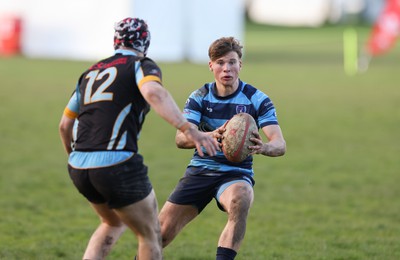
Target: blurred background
(181, 30)
(334, 195)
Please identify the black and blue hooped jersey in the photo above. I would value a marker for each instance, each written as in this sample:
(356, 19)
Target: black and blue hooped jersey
(203, 105)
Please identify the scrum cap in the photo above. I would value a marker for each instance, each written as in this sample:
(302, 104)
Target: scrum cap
(132, 33)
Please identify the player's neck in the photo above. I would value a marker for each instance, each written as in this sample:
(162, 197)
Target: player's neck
(139, 54)
(223, 90)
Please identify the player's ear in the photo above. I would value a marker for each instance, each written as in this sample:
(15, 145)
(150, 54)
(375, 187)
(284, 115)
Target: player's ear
(210, 65)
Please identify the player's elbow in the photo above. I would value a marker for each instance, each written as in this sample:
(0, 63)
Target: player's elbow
(277, 149)
(65, 125)
(281, 150)
(179, 145)
(62, 128)
(182, 142)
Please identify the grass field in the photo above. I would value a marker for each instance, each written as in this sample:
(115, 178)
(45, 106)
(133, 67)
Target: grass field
(334, 195)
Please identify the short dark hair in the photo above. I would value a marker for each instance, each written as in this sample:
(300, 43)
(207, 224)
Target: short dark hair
(222, 46)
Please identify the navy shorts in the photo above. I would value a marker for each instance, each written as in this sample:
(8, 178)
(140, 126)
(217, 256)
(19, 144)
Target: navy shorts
(118, 185)
(199, 190)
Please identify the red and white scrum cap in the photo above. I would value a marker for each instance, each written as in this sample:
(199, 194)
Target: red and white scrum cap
(132, 33)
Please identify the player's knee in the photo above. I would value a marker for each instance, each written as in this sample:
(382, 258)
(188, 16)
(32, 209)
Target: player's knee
(241, 202)
(243, 197)
(167, 232)
(166, 236)
(239, 206)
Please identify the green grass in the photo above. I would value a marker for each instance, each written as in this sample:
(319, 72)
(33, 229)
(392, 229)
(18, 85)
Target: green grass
(334, 195)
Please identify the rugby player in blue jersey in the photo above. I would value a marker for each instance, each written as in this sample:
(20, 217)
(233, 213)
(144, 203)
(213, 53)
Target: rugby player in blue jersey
(213, 176)
(103, 120)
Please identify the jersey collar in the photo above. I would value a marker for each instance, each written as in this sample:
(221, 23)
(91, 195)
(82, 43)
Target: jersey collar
(125, 52)
(213, 90)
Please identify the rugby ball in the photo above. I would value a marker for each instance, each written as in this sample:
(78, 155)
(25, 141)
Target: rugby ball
(236, 138)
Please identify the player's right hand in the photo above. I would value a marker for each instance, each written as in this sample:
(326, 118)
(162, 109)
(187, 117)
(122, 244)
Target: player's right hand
(205, 140)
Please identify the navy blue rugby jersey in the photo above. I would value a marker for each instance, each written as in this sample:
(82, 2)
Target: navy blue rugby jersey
(108, 105)
(203, 105)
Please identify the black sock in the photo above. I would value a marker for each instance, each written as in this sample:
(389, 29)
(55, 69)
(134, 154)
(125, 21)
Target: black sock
(224, 253)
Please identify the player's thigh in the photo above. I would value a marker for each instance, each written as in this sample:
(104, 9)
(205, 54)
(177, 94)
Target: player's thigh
(141, 216)
(173, 217)
(107, 215)
(237, 196)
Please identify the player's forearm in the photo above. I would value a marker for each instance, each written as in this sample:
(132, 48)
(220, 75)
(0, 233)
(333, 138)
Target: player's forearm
(183, 142)
(274, 148)
(65, 130)
(66, 139)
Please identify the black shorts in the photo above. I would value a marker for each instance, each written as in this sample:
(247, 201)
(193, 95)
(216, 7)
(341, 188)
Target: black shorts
(199, 190)
(118, 185)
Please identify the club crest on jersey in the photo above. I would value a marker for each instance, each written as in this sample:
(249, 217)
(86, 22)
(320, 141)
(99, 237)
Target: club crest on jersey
(240, 109)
